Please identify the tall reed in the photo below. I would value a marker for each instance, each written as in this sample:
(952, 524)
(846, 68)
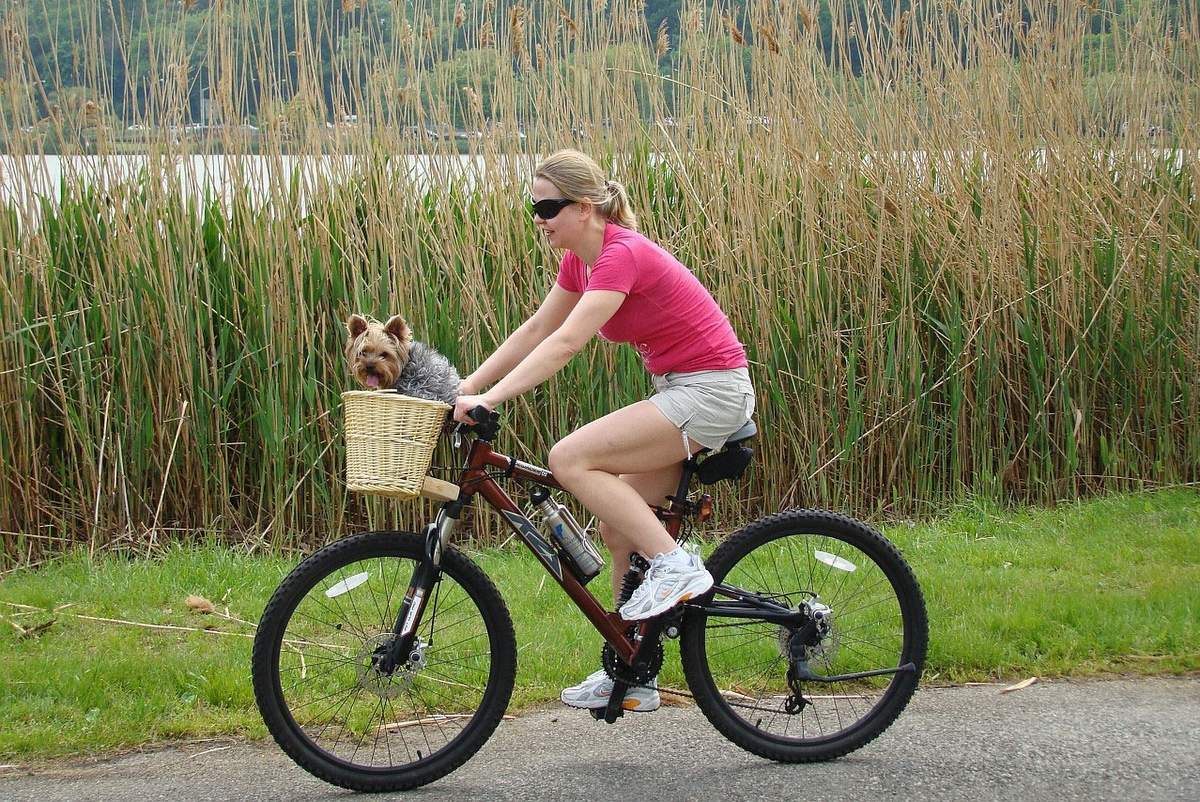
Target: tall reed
(962, 245)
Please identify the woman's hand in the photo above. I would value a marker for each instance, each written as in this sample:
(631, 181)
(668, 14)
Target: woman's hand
(466, 387)
(465, 403)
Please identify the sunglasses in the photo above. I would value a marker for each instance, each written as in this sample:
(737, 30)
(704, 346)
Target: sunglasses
(548, 208)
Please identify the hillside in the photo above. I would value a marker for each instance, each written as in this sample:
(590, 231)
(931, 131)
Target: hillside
(119, 53)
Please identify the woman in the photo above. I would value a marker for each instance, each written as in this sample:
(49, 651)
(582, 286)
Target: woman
(617, 283)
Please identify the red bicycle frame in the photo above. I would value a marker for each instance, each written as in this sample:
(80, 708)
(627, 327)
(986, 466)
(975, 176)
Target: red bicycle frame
(477, 480)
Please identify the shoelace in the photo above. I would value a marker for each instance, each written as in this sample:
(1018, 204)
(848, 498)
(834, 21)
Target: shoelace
(656, 570)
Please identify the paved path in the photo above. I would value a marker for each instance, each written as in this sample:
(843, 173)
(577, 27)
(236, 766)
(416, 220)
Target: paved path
(1060, 741)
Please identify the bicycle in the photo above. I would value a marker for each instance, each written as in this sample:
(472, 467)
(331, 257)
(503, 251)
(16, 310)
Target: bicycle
(809, 645)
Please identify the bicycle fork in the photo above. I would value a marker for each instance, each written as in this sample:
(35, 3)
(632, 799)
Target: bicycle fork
(425, 577)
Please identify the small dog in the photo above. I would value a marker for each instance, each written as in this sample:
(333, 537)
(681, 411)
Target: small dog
(385, 355)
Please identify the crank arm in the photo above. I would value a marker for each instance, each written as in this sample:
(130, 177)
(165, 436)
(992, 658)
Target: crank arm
(616, 702)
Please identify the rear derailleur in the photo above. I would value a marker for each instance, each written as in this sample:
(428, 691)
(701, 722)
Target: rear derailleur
(795, 701)
(803, 644)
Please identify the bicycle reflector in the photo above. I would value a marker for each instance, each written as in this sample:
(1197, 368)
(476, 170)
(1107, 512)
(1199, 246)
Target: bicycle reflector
(346, 585)
(834, 561)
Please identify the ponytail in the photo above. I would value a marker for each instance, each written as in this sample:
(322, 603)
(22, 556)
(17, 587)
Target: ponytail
(616, 208)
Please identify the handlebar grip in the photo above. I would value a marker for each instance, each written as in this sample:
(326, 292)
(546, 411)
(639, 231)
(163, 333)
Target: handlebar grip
(487, 423)
(482, 414)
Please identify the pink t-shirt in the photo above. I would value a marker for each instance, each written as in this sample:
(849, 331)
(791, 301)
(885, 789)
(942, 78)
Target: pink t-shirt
(667, 315)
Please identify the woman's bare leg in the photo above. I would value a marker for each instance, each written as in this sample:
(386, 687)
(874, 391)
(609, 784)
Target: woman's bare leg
(653, 487)
(590, 462)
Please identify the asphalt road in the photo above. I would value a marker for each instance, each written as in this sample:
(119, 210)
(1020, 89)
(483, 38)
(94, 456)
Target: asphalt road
(1119, 740)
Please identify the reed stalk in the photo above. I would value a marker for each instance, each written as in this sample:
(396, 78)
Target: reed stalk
(961, 243)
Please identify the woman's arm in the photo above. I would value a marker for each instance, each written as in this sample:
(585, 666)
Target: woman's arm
(593, 311)
(545, 321)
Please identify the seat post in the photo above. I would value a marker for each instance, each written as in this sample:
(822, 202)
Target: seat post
(685, 479)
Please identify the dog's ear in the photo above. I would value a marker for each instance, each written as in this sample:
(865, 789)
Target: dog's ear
(398, 329)
(356, 325)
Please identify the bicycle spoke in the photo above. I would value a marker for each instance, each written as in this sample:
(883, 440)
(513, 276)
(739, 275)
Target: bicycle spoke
(350, 706)
(750, 658)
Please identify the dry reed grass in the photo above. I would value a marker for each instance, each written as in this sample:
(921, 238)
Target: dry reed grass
(964, 251)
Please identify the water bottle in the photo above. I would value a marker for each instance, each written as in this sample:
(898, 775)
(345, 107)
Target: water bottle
(574, 544)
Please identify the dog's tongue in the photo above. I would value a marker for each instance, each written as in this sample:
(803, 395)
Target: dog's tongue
(373, 381)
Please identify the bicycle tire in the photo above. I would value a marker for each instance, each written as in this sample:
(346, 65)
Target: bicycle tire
(872, 555)
(381, 552)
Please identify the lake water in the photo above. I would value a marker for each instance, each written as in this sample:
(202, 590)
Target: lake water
(25, 180)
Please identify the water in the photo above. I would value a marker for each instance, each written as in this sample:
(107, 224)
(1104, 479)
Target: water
(26, 181)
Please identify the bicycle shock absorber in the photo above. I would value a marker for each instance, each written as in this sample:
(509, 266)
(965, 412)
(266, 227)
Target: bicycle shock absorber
(633, 577)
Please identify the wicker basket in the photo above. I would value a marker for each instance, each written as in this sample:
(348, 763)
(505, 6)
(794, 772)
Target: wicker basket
(390, 440)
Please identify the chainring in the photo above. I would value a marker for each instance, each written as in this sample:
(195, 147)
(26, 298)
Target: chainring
(617, 669)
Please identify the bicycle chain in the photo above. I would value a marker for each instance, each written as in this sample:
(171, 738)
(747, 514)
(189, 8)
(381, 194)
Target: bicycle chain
(607, 653)
(692, 696)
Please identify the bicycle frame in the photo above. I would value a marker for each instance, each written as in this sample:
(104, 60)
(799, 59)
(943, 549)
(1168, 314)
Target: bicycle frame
(476, 480)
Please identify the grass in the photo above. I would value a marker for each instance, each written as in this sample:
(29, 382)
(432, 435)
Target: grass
(1082, 589)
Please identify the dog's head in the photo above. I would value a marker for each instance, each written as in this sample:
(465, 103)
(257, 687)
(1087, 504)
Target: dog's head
(377, 352)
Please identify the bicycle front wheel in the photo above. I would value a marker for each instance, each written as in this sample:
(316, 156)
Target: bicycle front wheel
(755, 679)
(322, 695)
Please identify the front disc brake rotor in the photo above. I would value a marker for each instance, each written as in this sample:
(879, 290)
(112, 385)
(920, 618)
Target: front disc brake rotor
(383, 685)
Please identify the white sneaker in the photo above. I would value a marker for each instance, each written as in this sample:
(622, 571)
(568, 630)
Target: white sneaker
(593, 693)
(669, 581)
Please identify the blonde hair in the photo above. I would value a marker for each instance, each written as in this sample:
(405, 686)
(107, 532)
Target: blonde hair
(579, 178)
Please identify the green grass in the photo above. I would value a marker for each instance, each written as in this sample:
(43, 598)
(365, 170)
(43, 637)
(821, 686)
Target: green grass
(1111, 585)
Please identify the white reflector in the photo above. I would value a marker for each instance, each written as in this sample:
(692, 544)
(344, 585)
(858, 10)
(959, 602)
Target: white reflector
(834, 561)
(346, 585)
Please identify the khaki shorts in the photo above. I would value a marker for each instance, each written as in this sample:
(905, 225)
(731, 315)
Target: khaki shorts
(706, 406)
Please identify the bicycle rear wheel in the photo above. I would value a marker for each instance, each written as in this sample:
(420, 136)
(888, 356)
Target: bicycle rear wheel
(334, 712)
(738, 668)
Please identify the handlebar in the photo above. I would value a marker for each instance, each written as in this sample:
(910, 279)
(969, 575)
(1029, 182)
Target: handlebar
(487, 423)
